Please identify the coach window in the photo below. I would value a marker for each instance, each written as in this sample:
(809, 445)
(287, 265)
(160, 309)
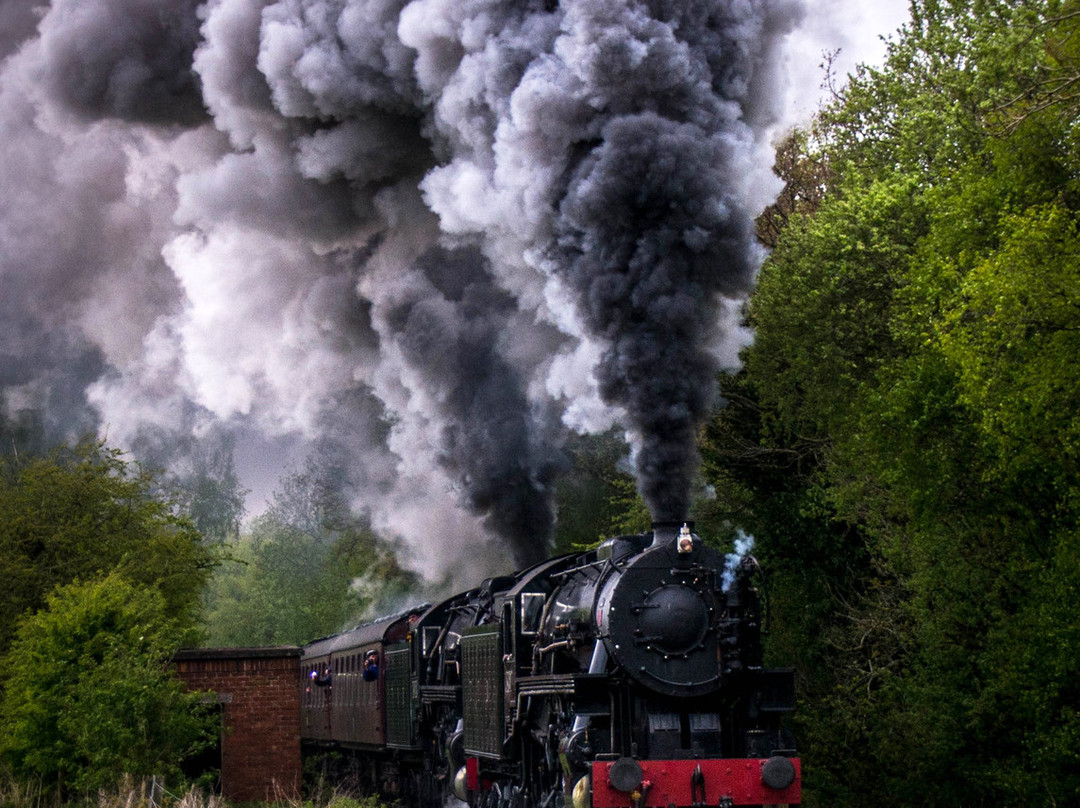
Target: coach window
(532, 609)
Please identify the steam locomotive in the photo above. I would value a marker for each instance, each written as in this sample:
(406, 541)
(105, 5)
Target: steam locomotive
(628, 676)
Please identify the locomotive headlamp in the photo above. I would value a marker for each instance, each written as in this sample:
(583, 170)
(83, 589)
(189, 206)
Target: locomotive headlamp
(461, 788)
(685, 542)
(582, 795)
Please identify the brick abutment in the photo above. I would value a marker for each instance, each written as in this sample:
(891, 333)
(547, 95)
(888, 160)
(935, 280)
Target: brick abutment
(258, 692)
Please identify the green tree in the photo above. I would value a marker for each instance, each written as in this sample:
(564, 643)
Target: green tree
(596, 497)
(282, 587)
(1013, 335)
(22, 433)
(306, 568)
(90, 691)
(902, 437)
(209, 492)
(86, 512)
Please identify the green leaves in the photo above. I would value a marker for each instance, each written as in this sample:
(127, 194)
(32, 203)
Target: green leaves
(102, 583)
(84, 513)
(1013, 335)
(306, 568)
(822, 305)
(90, 695)
(903, 438)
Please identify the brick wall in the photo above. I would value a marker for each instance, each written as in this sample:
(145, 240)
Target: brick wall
(259, 693)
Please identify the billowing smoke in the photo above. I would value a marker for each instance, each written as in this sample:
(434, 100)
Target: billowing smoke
(744, 545)
(439, 233)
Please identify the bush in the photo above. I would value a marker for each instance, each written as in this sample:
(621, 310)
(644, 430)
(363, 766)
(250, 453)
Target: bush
(90, 693)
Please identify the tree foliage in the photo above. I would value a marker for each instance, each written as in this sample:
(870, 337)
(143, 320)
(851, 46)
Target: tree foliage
(90, 692)
(902, 439)
(597, 497)
(210, 492)
(307, 567)
(102, 582)
(84, 513)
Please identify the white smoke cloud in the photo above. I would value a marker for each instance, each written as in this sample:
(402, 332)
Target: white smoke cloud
(440, 233)
(744, 545)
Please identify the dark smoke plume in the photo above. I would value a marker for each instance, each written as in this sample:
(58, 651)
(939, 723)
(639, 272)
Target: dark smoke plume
(451, 332)
(438, 233)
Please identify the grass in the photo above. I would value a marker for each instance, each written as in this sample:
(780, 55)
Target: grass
(149, 794)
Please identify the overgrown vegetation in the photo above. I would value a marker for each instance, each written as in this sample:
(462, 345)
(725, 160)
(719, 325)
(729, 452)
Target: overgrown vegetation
(89, 692)
(130, 792)
(82, 513)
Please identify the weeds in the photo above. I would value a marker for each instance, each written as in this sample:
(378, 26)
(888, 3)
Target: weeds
(15, 793)
(21, 794)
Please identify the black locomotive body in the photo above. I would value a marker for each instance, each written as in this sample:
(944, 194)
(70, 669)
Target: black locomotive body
(623, 676)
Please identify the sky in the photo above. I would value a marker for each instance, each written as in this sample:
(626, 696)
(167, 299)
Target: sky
(426, 239)
(856, 28)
